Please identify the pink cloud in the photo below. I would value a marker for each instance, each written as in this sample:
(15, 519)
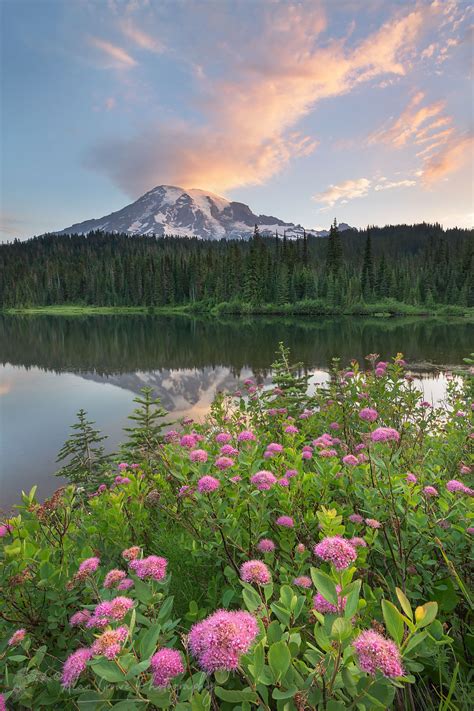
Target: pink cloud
(451, 158)
(119, 57)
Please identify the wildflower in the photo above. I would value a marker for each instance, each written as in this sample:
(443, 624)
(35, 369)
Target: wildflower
(368, 414)
(87, 567)
(3, 706)
(152, 567)
(165, 665)
(17, 637)
(470, 530)
(246, 436)
(327, 453)
(324, 441)
(358, 542)
(110, 642)
(263, 480)
(300, 548)
(454, 486)
(235, 479)
(291, 429)
(123, 465)
(122, 480)
(464, 469)
(307, 454)
(302, 581)
(254, 571)
(185, 491)
(350, 460)
(266, 545)
(336, 550)
(113, 577)
(320, 604)
(224, 463)
(171, 436)
(373, 523)
(119, 607)
(74, 666)
(5, 529)
(125, 584)
(223, 437)
(80, 618)
(385, 434)
(219, 640)
(131, 553)
(359, 447)
(283, 482)
(102, 488)
(425, 404)
(356, 518)
(228, 450)
(198, 455)
(272, 449)
(375, 652)
(430, 491)
(290, 473)
(335, 426)
(285, 521)
(411, 478)
(188, 440)
(206, 484)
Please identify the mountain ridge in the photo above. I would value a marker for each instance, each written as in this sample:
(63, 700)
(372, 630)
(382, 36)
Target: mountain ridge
(169, 209)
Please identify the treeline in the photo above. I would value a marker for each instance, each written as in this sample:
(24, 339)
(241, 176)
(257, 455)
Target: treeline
(415, 264)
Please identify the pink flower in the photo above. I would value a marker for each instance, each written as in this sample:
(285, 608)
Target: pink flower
(291, 473)
(336, 550)
(110, 642)
(373, 523)
(3, 706)
(411, 478)
(206, 484)
(266, 545)
(263, 480)
(171, 436)
(350, 460)
(324, 441)
(464, 469)
(119, 607)
(255, 571)
(5, 529)
(152, 567)
(359, 447)
(228, 450)
(470, 530)
(356, 518)
(328, 453)
(188, 440)
(375, 653)
(80, 618)
(235, 479)
(302, 581)
(246, 436)
(74, 666)
(291, 429)
(307, 454)
(223, 437)
(285, 521)
(283, 482)
(113, 577)
(218, 641)
(224, 463)
(198, 455)
(358, 542)
(368, 414)
(320, 604)
(334, 426)
(17, 637)
(123, 465)
(430, 491)
(300, 548)
(87, 567)
(455, 486)
(125, 584)
(385, 434)
(185, 491)
(131, 553)
(165, 665)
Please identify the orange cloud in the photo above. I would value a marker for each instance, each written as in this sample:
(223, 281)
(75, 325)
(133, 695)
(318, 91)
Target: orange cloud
(407, 126)
(120, 58)
(140, 38)
(452, 157)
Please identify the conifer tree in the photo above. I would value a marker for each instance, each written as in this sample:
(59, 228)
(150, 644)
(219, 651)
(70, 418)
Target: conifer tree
(85, 454)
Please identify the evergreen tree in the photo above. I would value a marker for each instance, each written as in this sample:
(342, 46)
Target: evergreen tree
(85, 453)
(144, 438)
(367, 277)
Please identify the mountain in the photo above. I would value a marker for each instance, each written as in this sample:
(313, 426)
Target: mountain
(174, 211)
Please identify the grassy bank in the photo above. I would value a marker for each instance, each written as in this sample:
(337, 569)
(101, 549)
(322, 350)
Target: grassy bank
(382, 309)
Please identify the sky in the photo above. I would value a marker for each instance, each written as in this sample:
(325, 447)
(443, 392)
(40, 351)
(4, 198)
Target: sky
(306, 110)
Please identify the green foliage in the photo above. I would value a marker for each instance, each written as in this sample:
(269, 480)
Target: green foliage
(84, 452)
(145, 436)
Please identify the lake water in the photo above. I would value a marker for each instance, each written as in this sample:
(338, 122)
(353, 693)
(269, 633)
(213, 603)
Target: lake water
(51, 366)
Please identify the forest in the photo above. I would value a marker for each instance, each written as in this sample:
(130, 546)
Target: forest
(420, 265)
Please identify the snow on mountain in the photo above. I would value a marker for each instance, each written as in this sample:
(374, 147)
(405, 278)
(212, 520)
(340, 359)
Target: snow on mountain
(171, 210)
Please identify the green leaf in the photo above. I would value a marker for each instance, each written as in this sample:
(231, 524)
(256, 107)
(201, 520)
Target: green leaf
(393, 621)
(107, 670)
(125, 705)
(159, 697)
(165, 609)
(324, 585)
(148, 641)
(235, 696)
(352, 601)
(341, 628)
(279, 659)
(258, 660)
(404, 602)
(89, 700)
(415, 641)
(137, 669)
(425, 614)
(288, 694)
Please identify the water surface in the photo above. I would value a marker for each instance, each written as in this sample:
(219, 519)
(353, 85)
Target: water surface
(51, 366)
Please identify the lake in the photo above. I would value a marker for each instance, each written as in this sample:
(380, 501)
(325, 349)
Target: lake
(51, 366)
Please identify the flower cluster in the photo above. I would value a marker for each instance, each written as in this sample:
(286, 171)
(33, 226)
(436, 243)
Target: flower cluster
(218, 641)
(254, 571)
(336, 550)
(165, 665)
(376, 653)
(152, 567)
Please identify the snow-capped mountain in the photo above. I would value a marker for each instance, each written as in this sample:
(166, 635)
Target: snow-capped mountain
(174, 211)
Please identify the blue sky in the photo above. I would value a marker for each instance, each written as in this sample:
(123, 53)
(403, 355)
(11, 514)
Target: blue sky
(359, 109)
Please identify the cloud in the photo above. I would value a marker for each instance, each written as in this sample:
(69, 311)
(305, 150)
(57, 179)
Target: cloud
(343, 192)
(140, 38)
(390, 184)
(407, 126)
(244, 131)
(452, 157)
(120, 59)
